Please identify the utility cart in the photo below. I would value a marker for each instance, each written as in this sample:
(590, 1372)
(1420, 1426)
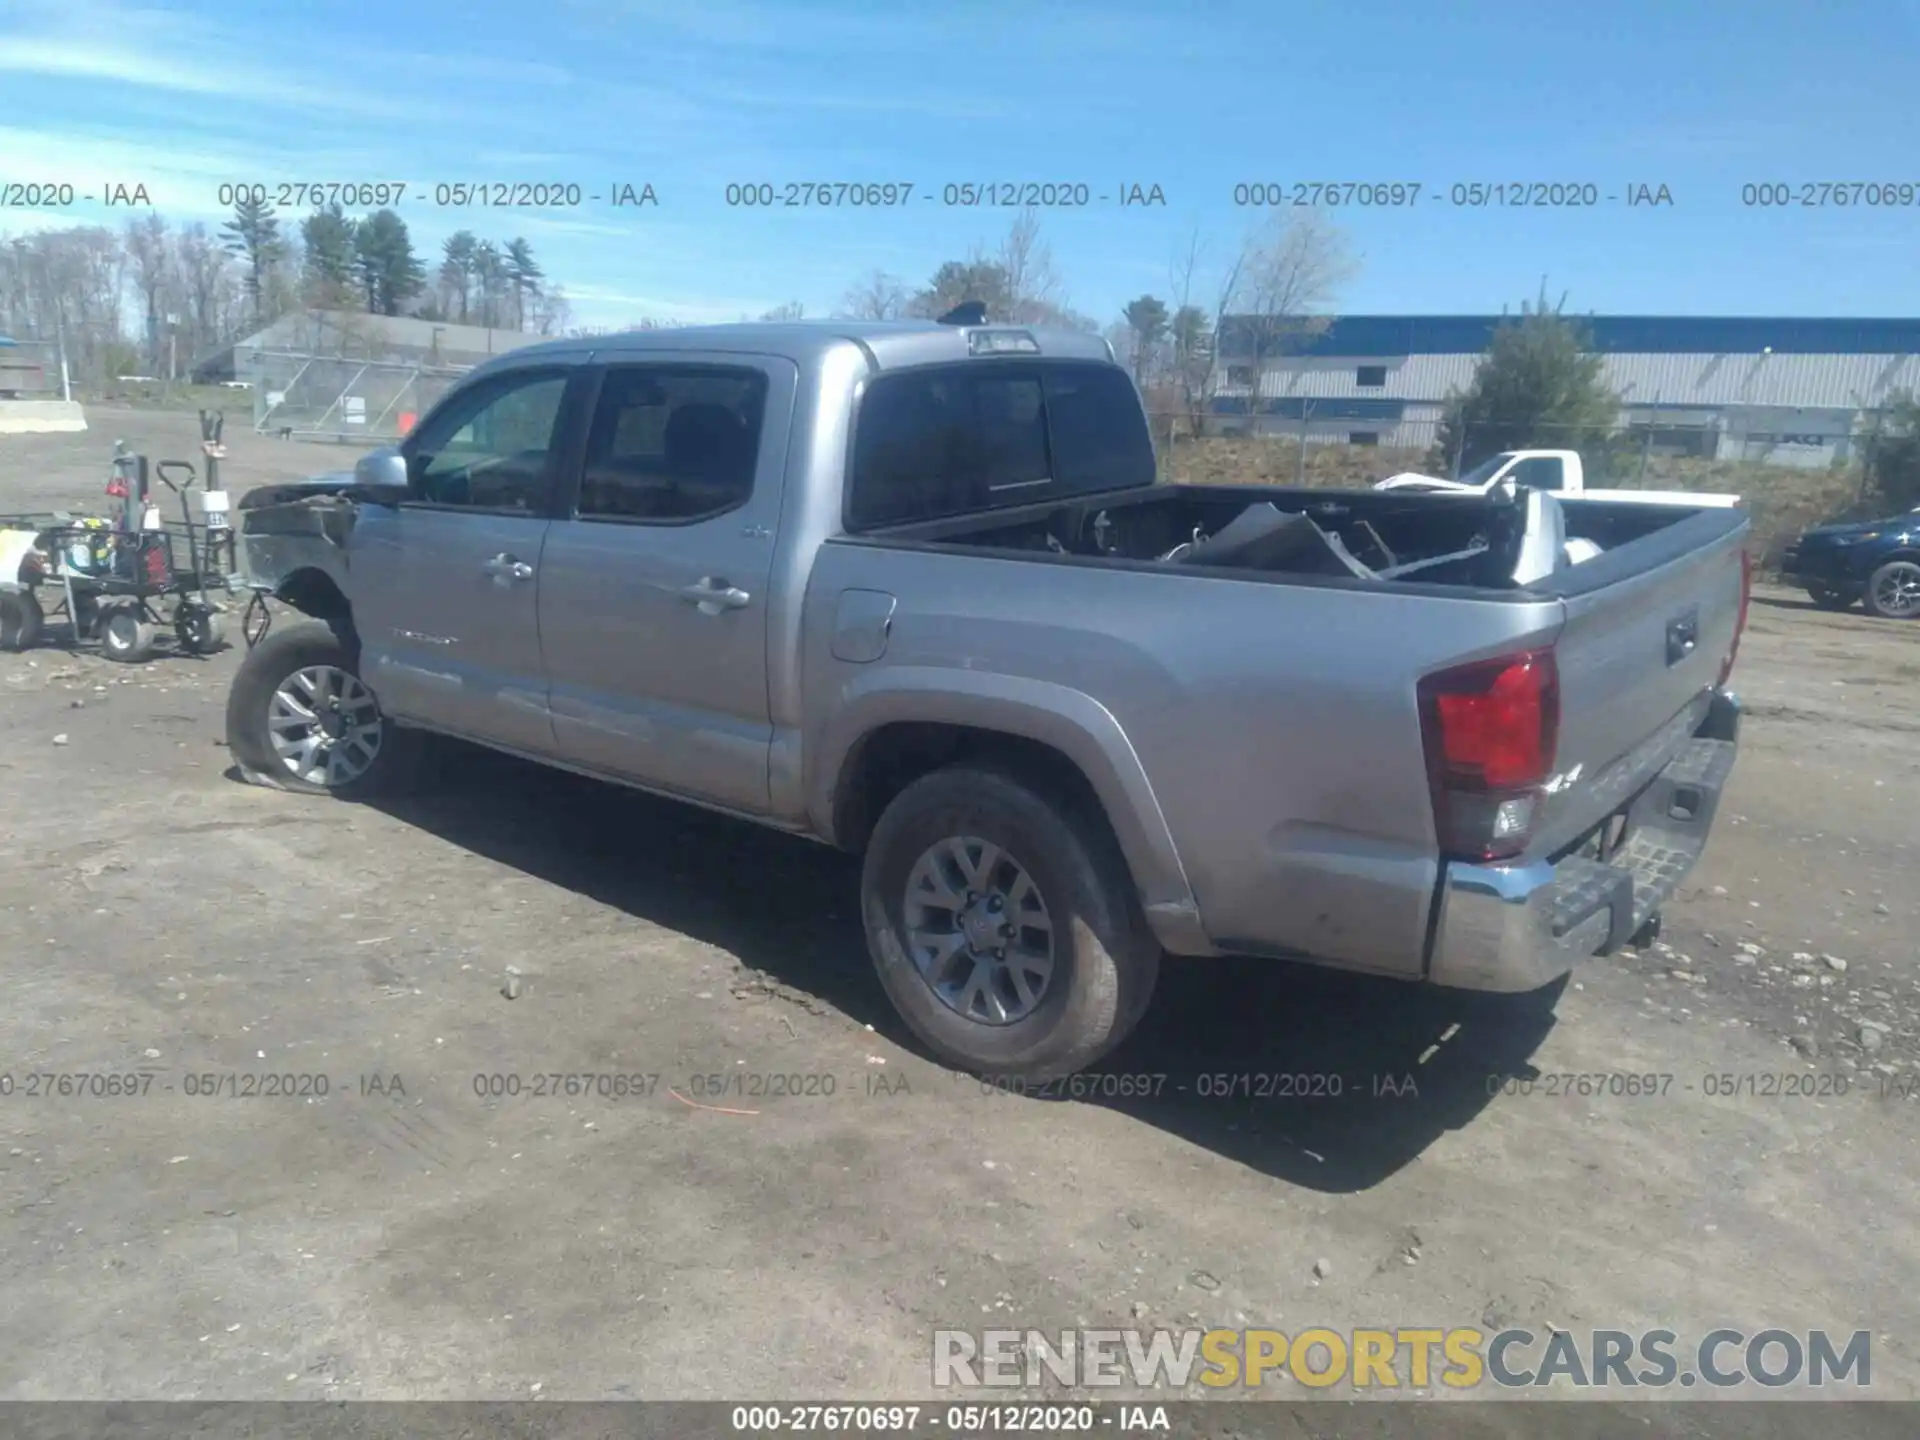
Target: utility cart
(121, 583)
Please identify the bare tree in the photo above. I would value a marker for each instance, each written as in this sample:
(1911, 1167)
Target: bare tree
(1033, 285)
(876, 296)
(1194, 326)
(548, 312)
(68, 286)
(1287, 272)
(792, 310)
(213, 286)
(150, 257)
(1262, 302)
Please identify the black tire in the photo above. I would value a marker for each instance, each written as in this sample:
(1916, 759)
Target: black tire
(1893, 591)
(1105, 959)
(21, 620)
(126, 635)
(283, 654)
(200, 632)
(1831, 599)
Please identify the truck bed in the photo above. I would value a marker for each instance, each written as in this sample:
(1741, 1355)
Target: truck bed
(1273, 697)
(1361, 538)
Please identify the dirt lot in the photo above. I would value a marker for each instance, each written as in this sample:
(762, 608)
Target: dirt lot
(414, 1239)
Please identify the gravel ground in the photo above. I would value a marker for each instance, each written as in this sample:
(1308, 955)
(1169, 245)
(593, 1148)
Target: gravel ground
(405, 1237)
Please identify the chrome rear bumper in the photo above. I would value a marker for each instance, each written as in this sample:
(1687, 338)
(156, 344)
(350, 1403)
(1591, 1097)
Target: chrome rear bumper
(1518, 927)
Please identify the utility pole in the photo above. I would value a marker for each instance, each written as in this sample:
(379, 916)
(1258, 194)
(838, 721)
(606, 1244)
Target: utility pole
(60, 339)
(1646, 442)
(1300, 466)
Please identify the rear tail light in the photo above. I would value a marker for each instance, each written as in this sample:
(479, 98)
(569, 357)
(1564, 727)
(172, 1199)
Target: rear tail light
(1490, 728)
(1740, 623)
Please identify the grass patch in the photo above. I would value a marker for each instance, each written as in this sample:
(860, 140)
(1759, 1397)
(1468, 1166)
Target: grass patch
(237, 404)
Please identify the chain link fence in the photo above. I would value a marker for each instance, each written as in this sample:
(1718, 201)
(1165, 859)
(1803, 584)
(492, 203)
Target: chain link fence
(340, 398)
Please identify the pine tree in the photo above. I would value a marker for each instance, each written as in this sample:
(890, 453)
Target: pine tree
(1539, 384)
(254, 235)
(390, 272)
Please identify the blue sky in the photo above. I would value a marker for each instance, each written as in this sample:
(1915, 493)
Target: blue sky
(1192, 96)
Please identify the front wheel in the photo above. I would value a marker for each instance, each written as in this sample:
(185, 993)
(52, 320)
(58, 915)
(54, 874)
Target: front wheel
(300, 718)
(1893, 591)
(1004, 926)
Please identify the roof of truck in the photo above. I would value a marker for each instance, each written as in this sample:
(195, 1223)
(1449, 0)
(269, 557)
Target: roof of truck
(891, 344)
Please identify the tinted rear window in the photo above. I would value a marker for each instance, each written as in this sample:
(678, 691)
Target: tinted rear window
(954, 440)
(1100, 439)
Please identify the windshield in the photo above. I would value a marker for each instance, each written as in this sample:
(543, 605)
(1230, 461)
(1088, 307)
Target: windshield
(1486, 469)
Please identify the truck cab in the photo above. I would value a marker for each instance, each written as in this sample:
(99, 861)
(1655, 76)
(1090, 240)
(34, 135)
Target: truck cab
(1557, 471)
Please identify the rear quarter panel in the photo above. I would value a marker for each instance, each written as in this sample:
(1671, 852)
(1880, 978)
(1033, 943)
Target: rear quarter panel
(1263, 754)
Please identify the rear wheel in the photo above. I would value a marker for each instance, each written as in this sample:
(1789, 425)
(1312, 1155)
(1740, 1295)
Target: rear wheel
(126, 635)
(21, 620)
(1893, 591)
(299, 717)
(200, 632)
(1004, 925)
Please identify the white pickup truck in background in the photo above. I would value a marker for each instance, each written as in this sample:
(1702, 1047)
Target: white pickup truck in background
(1558, 471)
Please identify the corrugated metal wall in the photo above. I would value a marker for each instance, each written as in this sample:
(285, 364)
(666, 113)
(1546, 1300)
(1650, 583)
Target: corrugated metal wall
(1827, 382)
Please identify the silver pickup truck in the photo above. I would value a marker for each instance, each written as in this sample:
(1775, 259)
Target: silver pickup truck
(912, 590)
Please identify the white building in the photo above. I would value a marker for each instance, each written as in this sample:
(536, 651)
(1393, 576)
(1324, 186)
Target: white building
(1789, 391)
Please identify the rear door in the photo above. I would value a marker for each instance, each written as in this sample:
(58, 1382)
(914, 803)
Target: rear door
(445, 586)
(654, 589)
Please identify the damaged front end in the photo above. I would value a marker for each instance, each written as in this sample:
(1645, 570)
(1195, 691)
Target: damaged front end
(293, 548)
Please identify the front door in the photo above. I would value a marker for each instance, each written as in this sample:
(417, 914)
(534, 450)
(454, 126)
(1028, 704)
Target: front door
(653, 592)
(446, 586)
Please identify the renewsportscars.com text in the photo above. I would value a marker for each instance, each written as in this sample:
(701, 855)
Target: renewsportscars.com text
(1456, 1358)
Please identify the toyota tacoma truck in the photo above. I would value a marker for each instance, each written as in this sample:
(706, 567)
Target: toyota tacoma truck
(916, 590)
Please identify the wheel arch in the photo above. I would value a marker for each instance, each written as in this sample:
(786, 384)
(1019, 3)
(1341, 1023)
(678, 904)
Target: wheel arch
(314, 592)
(907, 722)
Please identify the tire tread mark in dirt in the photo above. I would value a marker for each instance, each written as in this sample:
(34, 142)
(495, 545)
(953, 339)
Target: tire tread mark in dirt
(405, 1130)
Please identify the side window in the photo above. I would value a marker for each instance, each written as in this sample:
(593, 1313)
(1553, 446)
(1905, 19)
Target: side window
(1100, 439)
(492, 447)
(1011, 424)
(1539, 473)
(946, 441)
(672, 443)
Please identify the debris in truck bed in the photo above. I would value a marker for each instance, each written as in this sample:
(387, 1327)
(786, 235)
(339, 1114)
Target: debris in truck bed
(1265, 537)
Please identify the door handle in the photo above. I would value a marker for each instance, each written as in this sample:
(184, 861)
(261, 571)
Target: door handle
(505, 568)
(712, 596)
(1682, 635)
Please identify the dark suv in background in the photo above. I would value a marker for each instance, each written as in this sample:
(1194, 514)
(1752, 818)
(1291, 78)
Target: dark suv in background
(1873, 562)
